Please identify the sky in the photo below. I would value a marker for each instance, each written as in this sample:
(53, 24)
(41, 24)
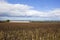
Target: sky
(38, 10)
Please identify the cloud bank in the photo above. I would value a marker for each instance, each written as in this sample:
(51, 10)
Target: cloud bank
(8, 9)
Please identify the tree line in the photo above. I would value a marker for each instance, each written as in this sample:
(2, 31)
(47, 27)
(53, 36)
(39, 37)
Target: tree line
(4, 21)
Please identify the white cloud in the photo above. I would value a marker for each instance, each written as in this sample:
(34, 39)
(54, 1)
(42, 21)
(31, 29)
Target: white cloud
(19, 9)
(56, 12)
(25, 10)
(14, 9)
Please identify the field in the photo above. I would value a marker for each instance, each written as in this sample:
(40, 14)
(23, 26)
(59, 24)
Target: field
(30, 31)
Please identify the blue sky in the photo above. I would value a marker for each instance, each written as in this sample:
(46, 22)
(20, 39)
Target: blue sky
(30, 10)
(42, 5)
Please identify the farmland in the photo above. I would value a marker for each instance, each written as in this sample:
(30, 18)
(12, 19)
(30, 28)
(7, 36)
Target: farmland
(30, 31)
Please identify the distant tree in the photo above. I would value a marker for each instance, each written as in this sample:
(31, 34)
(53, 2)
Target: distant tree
(7, 20)
(2, 21)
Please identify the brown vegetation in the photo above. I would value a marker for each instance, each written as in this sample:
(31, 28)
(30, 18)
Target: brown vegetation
(30, 31)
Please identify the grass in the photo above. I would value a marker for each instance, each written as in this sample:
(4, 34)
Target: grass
(30, 31)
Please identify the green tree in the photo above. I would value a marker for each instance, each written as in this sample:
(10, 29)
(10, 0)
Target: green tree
(7, 20)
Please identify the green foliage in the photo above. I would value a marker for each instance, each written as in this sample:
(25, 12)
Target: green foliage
(4, 21)
(7, 20)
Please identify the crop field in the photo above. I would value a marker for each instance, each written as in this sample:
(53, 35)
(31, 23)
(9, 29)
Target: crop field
(30, 31)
